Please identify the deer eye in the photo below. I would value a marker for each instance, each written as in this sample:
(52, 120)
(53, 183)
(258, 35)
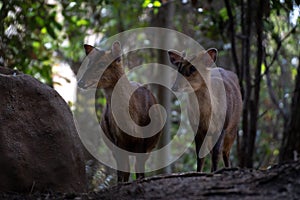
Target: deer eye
(192, 69)
(188, 70)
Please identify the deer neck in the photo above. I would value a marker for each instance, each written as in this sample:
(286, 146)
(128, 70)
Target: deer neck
(121, 89)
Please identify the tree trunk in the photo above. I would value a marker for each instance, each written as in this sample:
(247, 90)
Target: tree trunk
(250, 82)
(254, 103)
(164, 19)
(246, 32)
(290, 148)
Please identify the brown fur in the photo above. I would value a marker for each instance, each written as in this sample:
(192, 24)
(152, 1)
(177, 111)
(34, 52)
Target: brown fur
(228, 106)
(139, 105)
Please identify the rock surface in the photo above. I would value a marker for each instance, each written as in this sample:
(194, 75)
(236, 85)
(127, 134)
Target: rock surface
(39, 146)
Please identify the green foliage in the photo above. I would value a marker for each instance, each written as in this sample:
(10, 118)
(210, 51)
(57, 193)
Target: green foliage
(27, 31)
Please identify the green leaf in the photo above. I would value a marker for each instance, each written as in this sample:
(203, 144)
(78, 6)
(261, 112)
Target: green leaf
(51, 31)
(263, 69)
(82, 22)
(157, 4)
(294, 73)
(146, 3)
(74, 19)
(44, 30)
(39, 21)
(223, 13)
(36, 44)
(276, 152)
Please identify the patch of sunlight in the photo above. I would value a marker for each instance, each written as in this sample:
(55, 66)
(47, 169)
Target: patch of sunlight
(64, 82)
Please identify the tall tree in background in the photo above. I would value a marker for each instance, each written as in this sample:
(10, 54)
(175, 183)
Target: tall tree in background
(164, 19)
(255, 26)
(251, 23)
(290, 149)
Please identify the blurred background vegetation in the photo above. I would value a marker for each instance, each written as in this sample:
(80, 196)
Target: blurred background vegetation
(259, 40)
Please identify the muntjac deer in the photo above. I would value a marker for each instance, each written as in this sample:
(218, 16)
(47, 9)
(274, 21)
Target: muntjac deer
(139, 104)
(205, 82)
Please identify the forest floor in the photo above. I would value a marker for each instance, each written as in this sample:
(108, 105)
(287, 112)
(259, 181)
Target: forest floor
(278, 182)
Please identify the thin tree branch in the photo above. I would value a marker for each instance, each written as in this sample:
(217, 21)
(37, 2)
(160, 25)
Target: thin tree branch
(273, 96)
(262, 114)
(233, 35)
(279, 44)
(267, 74)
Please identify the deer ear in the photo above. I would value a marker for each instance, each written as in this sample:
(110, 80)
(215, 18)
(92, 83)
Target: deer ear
(213, 53)
(116, 49)
(88, 48)
(175, 57)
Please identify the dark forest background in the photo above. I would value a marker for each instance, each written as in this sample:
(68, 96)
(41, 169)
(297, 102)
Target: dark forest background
(257, 39)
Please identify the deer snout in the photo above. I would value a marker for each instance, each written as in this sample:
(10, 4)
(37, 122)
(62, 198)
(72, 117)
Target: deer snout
(81, 84)
(175, 88)
(178, 85)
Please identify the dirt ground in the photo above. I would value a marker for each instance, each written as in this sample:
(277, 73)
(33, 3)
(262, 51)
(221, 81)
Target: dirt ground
(279, 182)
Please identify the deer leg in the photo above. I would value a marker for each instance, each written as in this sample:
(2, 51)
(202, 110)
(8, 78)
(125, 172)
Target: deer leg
(200, 164)
(200, 161)
(215, 159)
(122, 166)
(228, 142)
(215, 156)
(140, 166)
(226, 158)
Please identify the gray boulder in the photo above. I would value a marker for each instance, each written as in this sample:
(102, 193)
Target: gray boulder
(39, 146)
